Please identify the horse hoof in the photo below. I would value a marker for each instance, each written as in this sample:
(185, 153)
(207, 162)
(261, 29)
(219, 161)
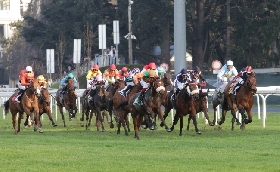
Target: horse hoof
(111, 125)
(211, 124)
(54, 125)
(81, 119)
(198, 132)
(103, 130)
(161, 124)
(152, 128)
(40, 130)
(168, 130)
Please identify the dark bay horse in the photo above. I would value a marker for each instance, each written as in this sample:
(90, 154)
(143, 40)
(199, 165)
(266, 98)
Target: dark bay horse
(28, 105)
(101, 103)
(44, 106)
(242, 101)
(67, 100)
(151, 104)
(185, 104)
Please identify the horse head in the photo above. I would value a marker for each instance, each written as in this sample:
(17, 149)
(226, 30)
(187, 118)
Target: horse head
(35, 87)
(70, 85)
(192, 90)
(45, 96)
(167, 79)
(158, 86)
(251, 82)
(101, 91)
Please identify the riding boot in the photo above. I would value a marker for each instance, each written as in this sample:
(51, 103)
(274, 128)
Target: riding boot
(63, 90)
(127, 91)
(142, 94)
(18, 97)
(123, 91)
(175, 95)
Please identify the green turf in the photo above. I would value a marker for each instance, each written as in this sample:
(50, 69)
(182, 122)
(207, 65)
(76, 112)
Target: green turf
(75, 149)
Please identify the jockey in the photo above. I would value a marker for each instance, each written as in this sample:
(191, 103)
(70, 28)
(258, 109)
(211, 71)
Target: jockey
(228, 71)
(42, 81)
(92, 73)
(111, 74)
(64, 82)
(193, 76)
(123, 73)
(25, 77)
(179, 82)
(241, 77)
(130, 82)
(97, 80)
(146, 80)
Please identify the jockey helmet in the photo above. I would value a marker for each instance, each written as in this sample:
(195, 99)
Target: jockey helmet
(197, 69)
(152, 73)
(136, 70)
(113, 67)
(98, 78)
(146, 67)
(160, 70)
(70, 76)
(124, 69)
(153, 66)
(249, 69)
(229, 63)
(146, 74)
(28, 68)
(95, 66)
(184, 71)
(41, 78)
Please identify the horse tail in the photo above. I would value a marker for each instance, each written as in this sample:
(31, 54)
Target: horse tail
(6, 104)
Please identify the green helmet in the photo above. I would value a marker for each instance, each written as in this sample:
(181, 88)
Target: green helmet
(146, 74)
(70, 76)
(161, 71)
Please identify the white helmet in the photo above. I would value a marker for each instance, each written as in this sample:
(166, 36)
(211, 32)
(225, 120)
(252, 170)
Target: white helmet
(229, 63)
(98, 78)
(28, 68)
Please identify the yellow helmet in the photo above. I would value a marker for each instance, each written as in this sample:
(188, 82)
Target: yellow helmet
(41, 78)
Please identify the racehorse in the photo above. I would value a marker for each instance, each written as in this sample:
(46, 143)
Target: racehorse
(242, 101)
(67, 100)
(28, 104)
(101, 102)
(201, 104)
(151, 104)
(44, 106)
(185, 104)
(218, 96)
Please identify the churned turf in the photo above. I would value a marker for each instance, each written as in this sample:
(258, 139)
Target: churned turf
(73, 148)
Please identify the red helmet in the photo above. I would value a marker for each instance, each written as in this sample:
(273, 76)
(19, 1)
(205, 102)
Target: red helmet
(113, 67)
(124, 69)
(95, 66)
(146, 67)
(249, 69)
(153, 66)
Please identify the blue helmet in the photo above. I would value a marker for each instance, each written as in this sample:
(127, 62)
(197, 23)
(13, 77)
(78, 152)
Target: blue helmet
(183, 71)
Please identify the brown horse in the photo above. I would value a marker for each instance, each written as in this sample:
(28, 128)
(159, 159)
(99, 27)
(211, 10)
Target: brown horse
(151, 105)
(201, 104)
(242, 101)
(185, 104)
(121, 108)
(67, 100)
(28, 104)
(44, 106)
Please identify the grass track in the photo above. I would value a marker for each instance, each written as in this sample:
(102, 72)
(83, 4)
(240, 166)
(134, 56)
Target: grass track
(75, 149)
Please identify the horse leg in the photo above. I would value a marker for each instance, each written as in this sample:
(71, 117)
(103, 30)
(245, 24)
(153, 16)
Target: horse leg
(181, 125)
(110, 110)
(189, 120)
(166, 112)
(26, 122)
(100, 118)
(136, 126)
(62, 115)
(162, 119)
(19, 121)
(195, 123)
(87, 118)
(176, 118)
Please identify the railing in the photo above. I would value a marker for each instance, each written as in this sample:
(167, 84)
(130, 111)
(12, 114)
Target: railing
(263, 92)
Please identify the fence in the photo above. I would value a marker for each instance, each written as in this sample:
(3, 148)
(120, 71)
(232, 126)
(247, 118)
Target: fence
(263, 92)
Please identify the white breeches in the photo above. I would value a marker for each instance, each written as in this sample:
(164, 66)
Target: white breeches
(144, 84)
(21, 87)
